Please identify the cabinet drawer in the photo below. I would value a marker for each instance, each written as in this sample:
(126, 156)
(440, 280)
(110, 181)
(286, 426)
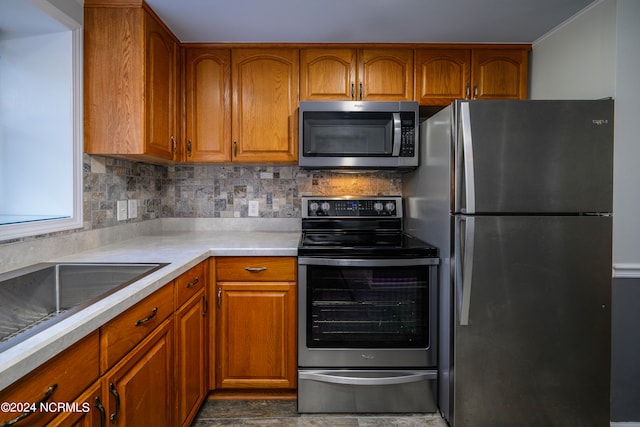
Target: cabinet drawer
(125, 331)
(62, 379)
(255, 269)
(189, 283)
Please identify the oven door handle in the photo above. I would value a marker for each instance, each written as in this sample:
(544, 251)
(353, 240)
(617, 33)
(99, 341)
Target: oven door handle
(373, 262)
(405, 377)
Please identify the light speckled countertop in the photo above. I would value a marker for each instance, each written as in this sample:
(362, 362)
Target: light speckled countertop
(182, 250)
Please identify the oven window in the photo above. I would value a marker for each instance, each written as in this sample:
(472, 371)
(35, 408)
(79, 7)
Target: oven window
(331, 134)
(368, 307)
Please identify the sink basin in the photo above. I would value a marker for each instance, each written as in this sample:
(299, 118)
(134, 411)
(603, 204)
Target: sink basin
(34, 298)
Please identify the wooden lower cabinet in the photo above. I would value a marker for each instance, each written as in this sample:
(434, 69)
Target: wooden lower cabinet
(140, 387)
(88, 412)
(255, 335)
(191, 354)
(62, 379)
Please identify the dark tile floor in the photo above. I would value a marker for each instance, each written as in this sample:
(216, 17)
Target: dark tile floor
(283, 413)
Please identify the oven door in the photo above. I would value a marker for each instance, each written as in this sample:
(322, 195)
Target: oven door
(366, 313)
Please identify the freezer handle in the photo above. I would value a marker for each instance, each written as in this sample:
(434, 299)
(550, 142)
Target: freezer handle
(465, 239)
(336, 378)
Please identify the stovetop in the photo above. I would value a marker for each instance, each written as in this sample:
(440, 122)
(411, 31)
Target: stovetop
(347, 227)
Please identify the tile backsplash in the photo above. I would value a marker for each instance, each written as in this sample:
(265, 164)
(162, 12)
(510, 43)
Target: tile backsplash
(214, 191)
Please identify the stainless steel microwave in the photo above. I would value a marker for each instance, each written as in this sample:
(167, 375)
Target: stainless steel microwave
(358, 135)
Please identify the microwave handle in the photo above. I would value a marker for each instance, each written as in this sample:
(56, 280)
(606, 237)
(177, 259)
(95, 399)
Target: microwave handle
(397, 134)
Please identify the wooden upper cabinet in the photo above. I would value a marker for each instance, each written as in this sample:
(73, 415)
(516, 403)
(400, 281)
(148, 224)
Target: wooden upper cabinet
(342, 74)
(161, 84)
(499, 73)
(208, 105)
(385, 74)
(446, 74)
(264, 104)
(327, 74)
(442, 75)
(130, 77)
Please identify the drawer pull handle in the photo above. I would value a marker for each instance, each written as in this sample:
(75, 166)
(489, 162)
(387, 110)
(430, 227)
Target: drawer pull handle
(103, 415)
(192, 284)
(47, 394)
(149, 317)
(255, 269)
(205, 306)
(112, 390)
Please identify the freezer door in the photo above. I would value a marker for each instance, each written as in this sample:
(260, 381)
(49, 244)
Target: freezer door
(532, 321)
(534, 156)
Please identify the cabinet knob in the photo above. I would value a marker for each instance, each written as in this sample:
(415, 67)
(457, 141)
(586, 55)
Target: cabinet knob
(188, 148)
(235, 148)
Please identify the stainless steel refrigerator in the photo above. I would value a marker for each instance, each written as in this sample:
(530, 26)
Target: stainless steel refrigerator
(517, 195)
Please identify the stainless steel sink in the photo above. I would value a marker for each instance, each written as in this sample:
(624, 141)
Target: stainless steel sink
(34, 298)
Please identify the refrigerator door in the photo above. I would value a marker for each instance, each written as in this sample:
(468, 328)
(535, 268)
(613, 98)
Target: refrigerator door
(532, 320)
(534, 156)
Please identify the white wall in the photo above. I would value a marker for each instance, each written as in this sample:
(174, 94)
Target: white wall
(595, 55)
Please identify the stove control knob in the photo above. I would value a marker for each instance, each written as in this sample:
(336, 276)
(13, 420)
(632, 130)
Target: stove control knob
(377, 206)
(390, 207)
(313, 207)
(325, 207)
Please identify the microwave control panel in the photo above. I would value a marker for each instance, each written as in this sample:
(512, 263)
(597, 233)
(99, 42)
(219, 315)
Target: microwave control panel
(408, 141)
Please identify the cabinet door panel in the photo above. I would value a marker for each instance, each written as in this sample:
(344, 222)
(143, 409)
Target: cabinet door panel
(208, 110)
(256, 335)
(161, 86)
(500, 73)
(327, 74)
(265, 100)
(91, 411)
(386, 74)
(191, 372)
(442, 75)
(140, 388)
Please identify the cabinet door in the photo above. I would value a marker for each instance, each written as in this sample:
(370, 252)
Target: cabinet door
(265, 100)
(191, 352)
(327, 74)
(140, 387)
(208, 105)
(90, 410)
(161, 91)
(385, 74)
(113, 80)
(256, 335)
(442, 75)
(499, 73)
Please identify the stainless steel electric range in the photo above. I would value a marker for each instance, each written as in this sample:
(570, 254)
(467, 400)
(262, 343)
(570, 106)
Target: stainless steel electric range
(367, 309)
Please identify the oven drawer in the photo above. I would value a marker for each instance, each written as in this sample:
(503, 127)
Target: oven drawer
(372, 391)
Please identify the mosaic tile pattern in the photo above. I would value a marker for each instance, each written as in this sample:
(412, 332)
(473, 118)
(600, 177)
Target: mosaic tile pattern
(214, 191)
(107, 180)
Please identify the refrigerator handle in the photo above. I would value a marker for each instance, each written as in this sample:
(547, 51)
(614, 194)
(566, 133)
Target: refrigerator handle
(465, 240)
(469, 192)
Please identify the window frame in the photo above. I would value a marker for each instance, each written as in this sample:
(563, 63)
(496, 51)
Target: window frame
(12, 231)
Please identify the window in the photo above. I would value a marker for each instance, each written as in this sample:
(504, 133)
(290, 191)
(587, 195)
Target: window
(40, 117)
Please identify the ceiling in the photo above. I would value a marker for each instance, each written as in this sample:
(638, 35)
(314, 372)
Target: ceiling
(370, 21)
